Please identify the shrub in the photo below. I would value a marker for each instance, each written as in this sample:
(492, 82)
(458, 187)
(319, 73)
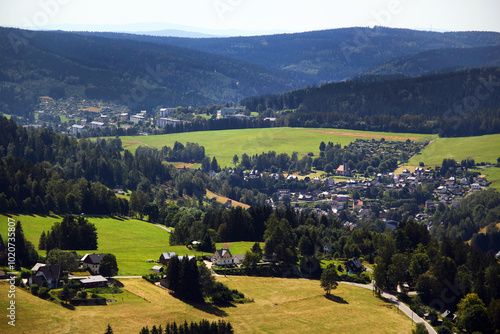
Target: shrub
(34, 289)
(82, 294)
(43, 293)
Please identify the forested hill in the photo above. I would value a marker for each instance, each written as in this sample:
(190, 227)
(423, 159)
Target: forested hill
(145, 74)
(453, 104)
(441, 60)
(329, 55)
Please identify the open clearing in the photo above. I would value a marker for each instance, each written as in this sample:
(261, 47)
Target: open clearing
(280, 306)
(225, 144)
(223, 200)
(132, 241)
(481, 149)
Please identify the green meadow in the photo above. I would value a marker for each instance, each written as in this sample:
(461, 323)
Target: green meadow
(132, 241)
(238, 247)
(481, 149)
(225, 144)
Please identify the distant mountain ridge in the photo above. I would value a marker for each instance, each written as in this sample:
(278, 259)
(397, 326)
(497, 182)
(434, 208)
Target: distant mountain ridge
(439, 61)
(328, 55)
(147, 74)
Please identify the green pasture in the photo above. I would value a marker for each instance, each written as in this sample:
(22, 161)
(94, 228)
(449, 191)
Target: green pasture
(132, 241)
(238, 247)
(225, 144)
(481, 149)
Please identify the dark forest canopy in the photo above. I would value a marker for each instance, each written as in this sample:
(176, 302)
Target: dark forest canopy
(340, 54)
(452, 104)
(140, 74)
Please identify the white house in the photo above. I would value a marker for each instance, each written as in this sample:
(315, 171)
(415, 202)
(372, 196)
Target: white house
(92, 262)
(222, 257)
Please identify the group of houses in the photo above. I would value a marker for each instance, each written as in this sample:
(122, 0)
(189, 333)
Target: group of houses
(221, 257)
(50, 275)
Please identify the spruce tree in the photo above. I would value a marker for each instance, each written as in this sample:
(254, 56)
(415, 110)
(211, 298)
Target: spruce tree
(109, 330)
(173, 274)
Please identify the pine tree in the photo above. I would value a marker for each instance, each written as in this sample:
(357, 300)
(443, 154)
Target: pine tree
(109, 330)
(173, 274)
(43, 241)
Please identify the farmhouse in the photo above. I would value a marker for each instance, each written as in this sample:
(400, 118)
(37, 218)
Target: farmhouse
(166, 257)
(92, 262)
(222, 257)
(94, 282)
(46, 274)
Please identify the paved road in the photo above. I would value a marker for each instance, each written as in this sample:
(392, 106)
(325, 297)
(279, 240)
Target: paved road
(398, 304)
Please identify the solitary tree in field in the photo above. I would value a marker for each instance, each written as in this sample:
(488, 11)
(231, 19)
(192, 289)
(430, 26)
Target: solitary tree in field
(109, 330)
(235, 160)
(329, 279)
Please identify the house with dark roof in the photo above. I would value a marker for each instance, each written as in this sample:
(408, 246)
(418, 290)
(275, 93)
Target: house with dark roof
(46, 274)
(222, 257)
(166, 257)
(92, 262)
(354, 266)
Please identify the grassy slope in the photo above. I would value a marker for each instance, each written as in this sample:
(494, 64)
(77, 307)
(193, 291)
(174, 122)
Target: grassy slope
(131, 241)
(238, 247)
(481, 148)
(223, 200)
(226, 143)
(281, 306)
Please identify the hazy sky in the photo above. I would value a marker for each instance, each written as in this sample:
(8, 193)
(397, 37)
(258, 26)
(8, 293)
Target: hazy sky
(270, 15)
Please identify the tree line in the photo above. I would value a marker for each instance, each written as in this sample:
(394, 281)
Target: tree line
(466, 106)
(202, 327)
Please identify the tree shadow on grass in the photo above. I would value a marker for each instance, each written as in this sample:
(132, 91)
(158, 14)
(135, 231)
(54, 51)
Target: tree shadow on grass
(336, 299)
(68, 306)
(204, 307)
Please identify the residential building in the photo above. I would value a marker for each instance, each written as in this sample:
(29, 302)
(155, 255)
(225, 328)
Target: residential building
(92, 262)
(136, 119)
(162, 122)
(222, 257)
(77, 129)
(164, 112)
(166, 257)
(97, 125)
(124, 117)
(46, 274)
